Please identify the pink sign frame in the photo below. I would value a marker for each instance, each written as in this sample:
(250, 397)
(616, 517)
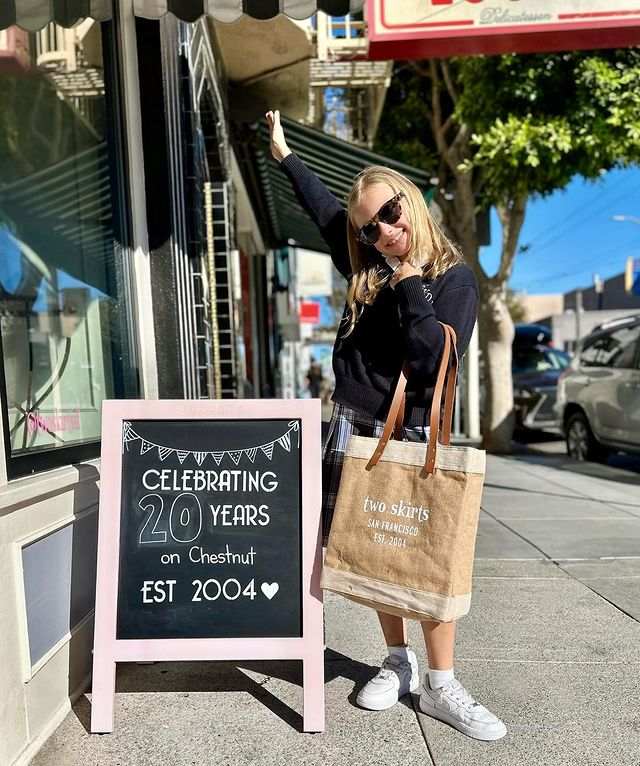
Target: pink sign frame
(108, 650)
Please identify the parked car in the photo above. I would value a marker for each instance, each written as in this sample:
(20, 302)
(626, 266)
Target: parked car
(535, 369)
(598, 403)
(531, 334)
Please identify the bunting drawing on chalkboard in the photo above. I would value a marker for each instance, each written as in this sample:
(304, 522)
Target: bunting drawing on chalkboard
(129, 436)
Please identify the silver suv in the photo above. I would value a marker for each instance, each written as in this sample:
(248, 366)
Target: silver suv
(598, 404)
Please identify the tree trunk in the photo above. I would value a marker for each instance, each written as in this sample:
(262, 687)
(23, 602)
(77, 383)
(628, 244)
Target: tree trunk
(496, 337)
(496, 334)
(495, 325)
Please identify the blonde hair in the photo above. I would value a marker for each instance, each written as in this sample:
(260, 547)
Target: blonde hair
(428, 246)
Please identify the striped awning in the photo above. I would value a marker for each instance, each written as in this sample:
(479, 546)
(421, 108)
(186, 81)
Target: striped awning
(32, 15)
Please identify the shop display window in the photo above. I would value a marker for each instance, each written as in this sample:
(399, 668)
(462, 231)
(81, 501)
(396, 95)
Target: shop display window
(62, 315)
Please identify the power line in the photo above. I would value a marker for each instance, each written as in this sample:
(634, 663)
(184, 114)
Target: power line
(544, 242)
(572, 272)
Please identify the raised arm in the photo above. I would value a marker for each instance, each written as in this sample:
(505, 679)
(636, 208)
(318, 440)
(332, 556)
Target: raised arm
(321, 205)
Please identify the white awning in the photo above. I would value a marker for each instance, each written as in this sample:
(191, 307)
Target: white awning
(35, 14)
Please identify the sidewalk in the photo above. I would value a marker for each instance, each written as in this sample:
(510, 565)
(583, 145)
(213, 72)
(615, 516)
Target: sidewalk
(552, 645)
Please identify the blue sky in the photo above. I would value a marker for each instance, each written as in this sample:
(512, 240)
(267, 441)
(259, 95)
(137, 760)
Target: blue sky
(571, 235)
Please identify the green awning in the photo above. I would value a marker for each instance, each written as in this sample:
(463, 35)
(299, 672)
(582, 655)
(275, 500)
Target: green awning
(336, 162)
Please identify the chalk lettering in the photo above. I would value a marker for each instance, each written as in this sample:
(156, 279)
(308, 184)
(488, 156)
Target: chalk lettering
(198, 555)
(159, 588)
(189, 480)
(228, 515)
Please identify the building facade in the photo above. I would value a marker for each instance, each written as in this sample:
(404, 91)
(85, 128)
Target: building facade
(137, 260)
(583, 309)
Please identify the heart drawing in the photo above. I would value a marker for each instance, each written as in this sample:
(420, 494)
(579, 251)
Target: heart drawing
(269, 589)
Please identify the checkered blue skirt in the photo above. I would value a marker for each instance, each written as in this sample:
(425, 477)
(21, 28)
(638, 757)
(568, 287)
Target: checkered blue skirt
(344, 423)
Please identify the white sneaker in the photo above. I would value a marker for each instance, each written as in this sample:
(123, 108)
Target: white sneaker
(454, 705)
(395, 678)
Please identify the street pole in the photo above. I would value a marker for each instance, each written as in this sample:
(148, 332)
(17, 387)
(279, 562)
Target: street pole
(598, 286)
(472, 387)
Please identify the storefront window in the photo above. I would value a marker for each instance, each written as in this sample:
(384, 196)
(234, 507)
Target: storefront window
(61, 308)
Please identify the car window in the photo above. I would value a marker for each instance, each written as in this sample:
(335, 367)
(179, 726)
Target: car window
(616, 348)
(558, 359)
(537, 359)
(528, 359)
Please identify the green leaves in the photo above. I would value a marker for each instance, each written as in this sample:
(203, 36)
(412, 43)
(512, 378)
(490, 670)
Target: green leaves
(523, 154)
(535, 120)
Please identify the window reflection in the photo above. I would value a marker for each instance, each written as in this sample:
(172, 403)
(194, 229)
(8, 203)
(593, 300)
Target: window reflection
(57, 297)
(613, 349)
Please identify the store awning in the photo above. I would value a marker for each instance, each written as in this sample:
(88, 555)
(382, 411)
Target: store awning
(335, 161)
(35, 14)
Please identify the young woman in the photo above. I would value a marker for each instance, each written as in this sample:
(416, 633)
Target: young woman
(404, 277)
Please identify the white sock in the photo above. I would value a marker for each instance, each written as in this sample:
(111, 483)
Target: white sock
(401, 652)
(438, 678)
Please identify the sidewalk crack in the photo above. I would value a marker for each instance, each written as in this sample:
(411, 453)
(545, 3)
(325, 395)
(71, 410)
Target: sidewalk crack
(517, 534)
(586, 585)
(557, 563)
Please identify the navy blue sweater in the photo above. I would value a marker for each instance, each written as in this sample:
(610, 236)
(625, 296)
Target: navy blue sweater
(402, 323)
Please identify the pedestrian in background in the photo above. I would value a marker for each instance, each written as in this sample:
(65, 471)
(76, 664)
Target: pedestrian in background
(314, 379)
(404, 277)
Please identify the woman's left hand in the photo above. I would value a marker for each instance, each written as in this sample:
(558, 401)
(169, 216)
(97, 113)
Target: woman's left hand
(279, 148)
(404, 270)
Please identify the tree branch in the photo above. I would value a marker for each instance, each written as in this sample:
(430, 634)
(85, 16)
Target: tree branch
(451, 153)
(458, 150)
(478, 182)
(418, 68)
(423, 72)
(436, 109)
(448, 80)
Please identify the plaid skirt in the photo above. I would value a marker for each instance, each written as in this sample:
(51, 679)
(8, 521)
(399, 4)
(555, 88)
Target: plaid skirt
(344, 423)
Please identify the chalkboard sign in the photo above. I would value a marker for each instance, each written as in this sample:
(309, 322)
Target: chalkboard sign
(210, 534)
(209, 539)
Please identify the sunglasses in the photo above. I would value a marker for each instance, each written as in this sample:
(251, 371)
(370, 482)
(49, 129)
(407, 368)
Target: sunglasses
(389, 213)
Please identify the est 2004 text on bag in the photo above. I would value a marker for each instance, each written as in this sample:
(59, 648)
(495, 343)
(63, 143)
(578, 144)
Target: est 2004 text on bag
(404, 528)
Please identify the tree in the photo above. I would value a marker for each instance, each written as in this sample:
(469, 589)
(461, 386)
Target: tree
(498, 130)
(514, 306)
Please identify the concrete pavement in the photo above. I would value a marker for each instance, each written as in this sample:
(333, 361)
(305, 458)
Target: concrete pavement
(552, 645)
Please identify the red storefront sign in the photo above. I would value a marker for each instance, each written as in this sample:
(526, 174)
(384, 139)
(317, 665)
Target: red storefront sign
(309, 312)
(14, 51)
(428, 28)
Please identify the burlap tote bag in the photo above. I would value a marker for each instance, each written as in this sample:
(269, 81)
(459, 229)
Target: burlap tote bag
(404, 528)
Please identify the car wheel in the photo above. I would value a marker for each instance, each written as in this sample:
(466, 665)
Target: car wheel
(581, 443)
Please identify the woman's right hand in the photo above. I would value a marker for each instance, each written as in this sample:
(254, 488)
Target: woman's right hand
(279, 148)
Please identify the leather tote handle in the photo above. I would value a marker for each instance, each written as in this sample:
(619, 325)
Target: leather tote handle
(449, 391)
(397, 430)
(446, 380)
(394, 418)
(450, 371)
